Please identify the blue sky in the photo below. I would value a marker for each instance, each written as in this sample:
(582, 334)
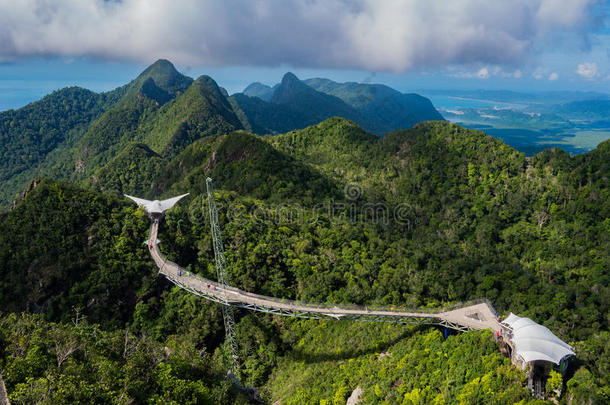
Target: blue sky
(522, 45)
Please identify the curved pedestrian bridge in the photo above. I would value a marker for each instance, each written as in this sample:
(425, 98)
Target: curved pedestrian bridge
(473, 315)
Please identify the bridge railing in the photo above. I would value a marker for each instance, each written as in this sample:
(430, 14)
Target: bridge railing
(211, 285)
(373, 307)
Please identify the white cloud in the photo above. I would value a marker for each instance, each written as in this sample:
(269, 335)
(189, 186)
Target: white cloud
(588, 70)
(566, 13)
(553, 76)
(390, 35)
(483, 73)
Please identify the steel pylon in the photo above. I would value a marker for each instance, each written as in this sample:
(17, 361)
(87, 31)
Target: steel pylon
(221, 270)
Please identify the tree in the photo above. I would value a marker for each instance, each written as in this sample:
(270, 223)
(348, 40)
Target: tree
(554, 384)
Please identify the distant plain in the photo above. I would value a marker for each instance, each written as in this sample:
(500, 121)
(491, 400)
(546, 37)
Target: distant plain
(530, 122)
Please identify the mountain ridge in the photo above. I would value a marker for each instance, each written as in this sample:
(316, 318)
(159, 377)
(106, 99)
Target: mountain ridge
(375, 107)
(167, 112)
(293, 105)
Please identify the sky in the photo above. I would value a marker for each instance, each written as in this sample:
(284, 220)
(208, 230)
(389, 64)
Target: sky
(521, 45)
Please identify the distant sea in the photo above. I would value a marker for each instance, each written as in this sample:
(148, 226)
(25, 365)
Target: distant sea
(530, 139)
(443, 102)
(17, 93)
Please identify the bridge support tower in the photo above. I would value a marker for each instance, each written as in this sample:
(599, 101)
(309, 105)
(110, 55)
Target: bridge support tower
(221, 270)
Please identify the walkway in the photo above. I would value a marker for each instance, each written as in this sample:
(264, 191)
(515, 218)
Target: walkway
(474, 315)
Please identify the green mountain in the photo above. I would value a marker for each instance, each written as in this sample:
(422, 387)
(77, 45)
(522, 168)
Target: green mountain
(30, 135)
(261, 117)
(347, 153)
(244, 163)
(338, 148)
(293, 105)
(73, 134)
(377, 108)
(165, 76)
(384, 108)
(260, 90)
(91, 281)
(132, 171)
(201, 111)
(458, 215)
(121, 124)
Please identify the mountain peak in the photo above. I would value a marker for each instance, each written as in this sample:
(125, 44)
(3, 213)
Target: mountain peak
(257, 89)
(205, 79)
(206, 85)
(290, 79)
(199, 111)
(256, 86)
(165, 76)
(289, 88)
(161, 66)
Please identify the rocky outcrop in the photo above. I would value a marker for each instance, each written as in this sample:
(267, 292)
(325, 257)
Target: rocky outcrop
(355, 397)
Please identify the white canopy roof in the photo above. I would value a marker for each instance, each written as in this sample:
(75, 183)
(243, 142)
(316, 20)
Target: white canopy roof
(156, 207)
(536, 342)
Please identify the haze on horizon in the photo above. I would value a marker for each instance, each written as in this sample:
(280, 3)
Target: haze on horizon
(522, 45)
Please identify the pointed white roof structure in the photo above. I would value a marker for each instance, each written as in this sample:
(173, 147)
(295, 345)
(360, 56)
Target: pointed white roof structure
(156, 206)
(536, 342)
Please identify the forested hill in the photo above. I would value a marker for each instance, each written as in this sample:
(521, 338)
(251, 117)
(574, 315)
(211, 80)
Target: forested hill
(295, 104)
(31, 135)
(458, 215)
(73, 134)
(389, 109)
(78, 135)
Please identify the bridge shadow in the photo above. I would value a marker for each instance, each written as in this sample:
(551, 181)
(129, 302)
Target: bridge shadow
(299, 354)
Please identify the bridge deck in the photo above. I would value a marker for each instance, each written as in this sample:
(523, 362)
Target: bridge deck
(479, 315)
